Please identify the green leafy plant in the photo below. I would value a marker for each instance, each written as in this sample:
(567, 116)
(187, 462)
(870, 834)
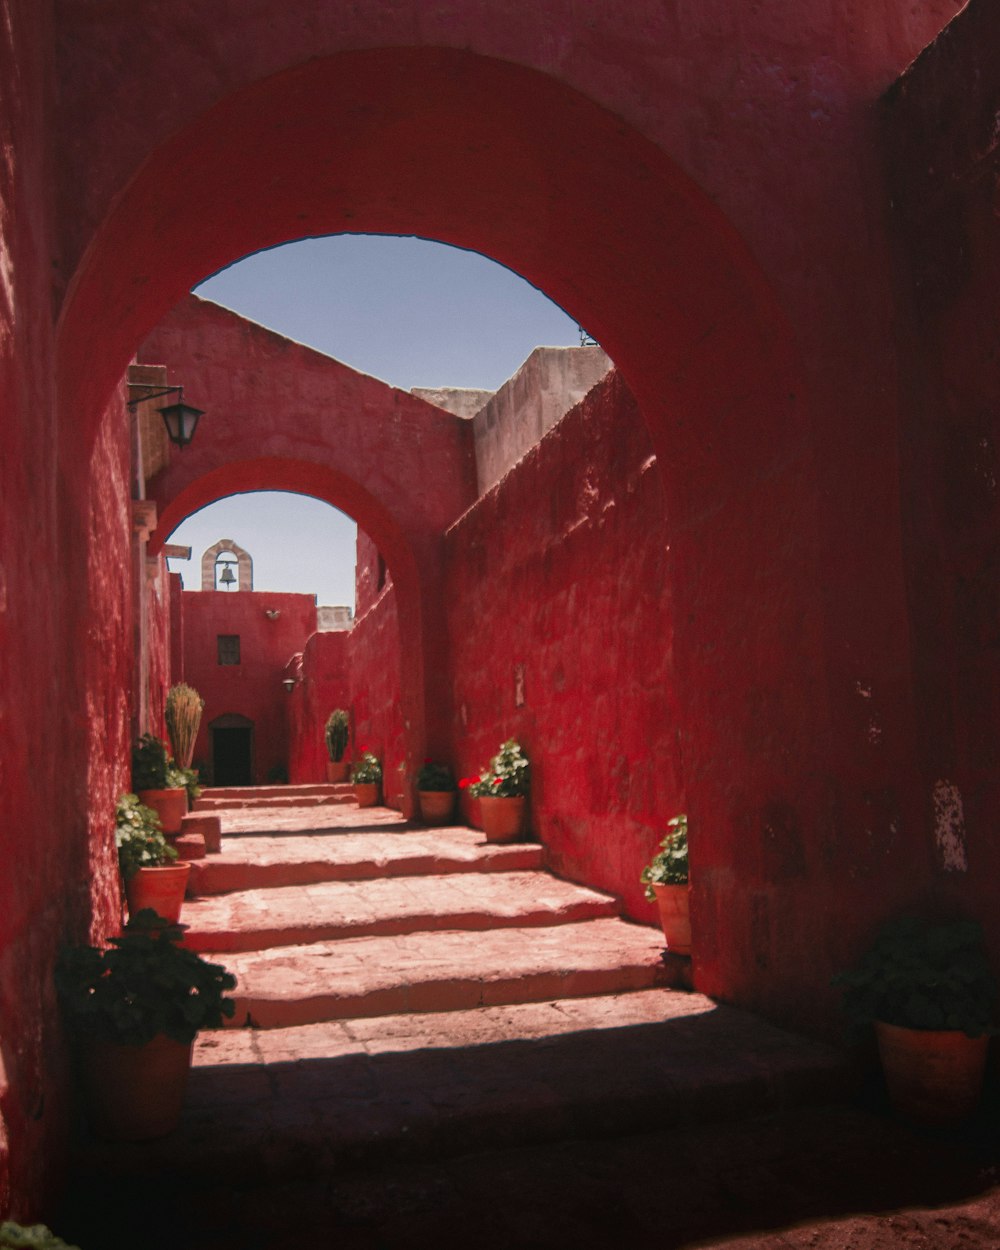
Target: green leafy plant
(142, 985)
(183, 716)
(30, 1237)
(336, 734)
(508, 776)
(367, 770)
(435, 777)
(139, 837)
(184, 778)
(669, 866)
(150, 764)
(923, 976)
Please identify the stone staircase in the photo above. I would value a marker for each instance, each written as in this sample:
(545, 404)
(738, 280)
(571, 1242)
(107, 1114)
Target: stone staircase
(406, 993)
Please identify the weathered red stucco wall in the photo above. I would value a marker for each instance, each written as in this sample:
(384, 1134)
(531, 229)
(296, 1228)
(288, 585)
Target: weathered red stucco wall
(943, 152)
(559, 591)
(324, 686)
(375, 660)
(253, 687)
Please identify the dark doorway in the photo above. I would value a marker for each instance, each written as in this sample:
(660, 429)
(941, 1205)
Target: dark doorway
(232, 755)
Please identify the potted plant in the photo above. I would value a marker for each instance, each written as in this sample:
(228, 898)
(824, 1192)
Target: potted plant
(30, 1237)
(156, 787)
(929, 991)
(135, 1009)
(436, 793)
(666, 880)
(146, 859)
(336, 733)
(183, 716)
(366, 777)
(502, 790)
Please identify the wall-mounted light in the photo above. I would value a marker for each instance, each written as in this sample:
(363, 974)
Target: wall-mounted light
(289, 683)
(180, 419)
(272, 614)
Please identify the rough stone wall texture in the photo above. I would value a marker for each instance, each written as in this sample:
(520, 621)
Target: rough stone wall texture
(461, 400)
(324, 686)
(374, 662)
(553, 598)
(943, 150)
(253, 687)
(549, 383)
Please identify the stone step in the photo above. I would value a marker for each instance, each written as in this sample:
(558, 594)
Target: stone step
(319, 1100)
(302, 858)
(217, 803)
(441, 971)
(307, 790)
(252, 920)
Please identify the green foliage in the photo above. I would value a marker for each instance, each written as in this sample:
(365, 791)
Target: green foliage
(143, 985)
(923, 976)
(435, 777)
(336, 733)
(669, 865)
(183, 716)
(508, 776)
(367, 770)
(150, 762)
(139, 837)
(30, 1237)
(183, 778)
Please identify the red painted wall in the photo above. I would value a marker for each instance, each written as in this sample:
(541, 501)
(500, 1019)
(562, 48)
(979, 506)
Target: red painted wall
(253, 687)
(563, 572)
(324, 686)
(941, 143)
(374, 671)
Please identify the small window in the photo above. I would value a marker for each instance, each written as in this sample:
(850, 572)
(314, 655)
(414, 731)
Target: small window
(229, 648)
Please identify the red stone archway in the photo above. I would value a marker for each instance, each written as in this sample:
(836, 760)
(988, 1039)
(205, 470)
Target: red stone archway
(492, 156)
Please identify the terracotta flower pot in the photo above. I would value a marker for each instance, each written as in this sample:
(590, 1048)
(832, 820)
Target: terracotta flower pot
(933, 1077)
(675, 918)
(503, 819)
(159, 888)
(134, 1093)
(337, 770)
(437, 807)
(170, 805)
(366, 793)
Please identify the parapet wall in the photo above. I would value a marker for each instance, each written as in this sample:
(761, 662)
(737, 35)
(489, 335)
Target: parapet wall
(549, 383)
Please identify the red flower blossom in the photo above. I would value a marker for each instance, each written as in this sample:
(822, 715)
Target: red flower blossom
(466, 782)
(497, 780)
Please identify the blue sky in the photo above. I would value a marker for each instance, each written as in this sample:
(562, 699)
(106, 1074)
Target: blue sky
(408, 311)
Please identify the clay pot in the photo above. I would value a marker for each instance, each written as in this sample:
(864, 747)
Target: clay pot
(933, 1077)
(337, 770)
(675, 918)
(437, 807)
(366, 793)
(134, 1093)
(159, 888)
(170, 805)
(502, 819)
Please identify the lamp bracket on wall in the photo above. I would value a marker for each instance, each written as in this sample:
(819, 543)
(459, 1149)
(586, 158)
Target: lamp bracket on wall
(180, 419)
